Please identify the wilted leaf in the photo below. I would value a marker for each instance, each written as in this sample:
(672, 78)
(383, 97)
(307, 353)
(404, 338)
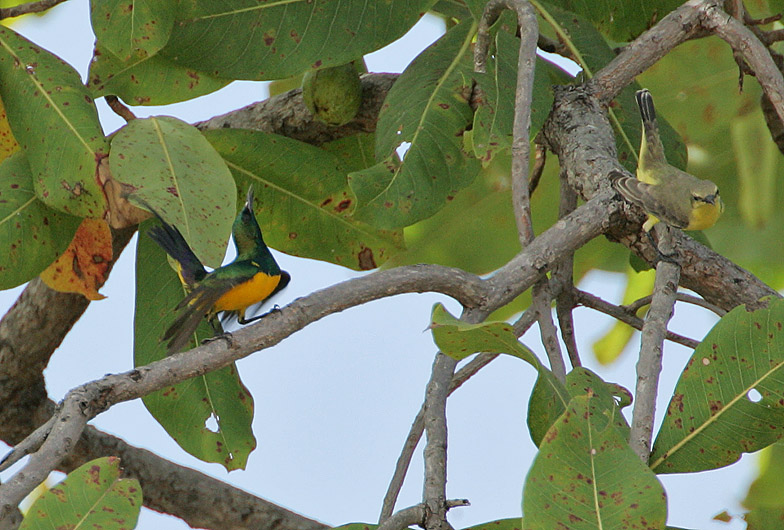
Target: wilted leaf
(55, 121)
(168, 164)
(92, 496)
(82, 267)
(208, 416)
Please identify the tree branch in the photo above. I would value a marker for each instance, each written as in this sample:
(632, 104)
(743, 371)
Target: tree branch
(25, 9)
(649, 364)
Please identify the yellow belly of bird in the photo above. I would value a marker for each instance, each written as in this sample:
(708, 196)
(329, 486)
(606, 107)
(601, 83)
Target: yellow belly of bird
(246, 294)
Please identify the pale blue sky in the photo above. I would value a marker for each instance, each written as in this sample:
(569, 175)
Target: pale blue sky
(335, 401)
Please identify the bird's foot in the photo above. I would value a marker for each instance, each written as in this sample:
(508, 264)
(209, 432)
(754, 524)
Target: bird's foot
(671, 257)
(222, 336)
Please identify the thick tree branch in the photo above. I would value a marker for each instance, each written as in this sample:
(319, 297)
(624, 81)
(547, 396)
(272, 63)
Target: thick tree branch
(25, 9)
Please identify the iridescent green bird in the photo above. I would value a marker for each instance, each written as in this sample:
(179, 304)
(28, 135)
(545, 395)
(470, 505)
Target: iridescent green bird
(253, 277)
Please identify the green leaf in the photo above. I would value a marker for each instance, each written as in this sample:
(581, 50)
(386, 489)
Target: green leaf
(494, 117)
(208, 416)
(302, 201)
(758, 169)
(92, 496)
(353, 152)
(273, 40)
(174, 169)
(620, 20)
(127, 26)
(550, 398)
(764, 500)
(148, 80)
(32, 235)
(585, 476)
(427, 108)
(591, 51)
(460, 340)
(728, 399)
(502, 524)
(54, 119)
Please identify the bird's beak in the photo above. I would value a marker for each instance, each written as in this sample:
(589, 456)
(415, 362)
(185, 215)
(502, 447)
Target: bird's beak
(710, 199)
(249, 199)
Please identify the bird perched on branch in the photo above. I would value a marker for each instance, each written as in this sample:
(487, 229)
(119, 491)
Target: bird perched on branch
(665, 192)
(253, 277)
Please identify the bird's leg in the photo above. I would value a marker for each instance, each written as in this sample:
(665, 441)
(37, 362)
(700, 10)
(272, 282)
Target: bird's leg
(219, 333)
(661, 256)
(242, 320)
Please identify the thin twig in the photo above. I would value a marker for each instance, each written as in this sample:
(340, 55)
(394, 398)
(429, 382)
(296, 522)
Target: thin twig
(119, 108)
(680, 297)
(649, 364)
(468, 370)
(26, 9)
(563, 276)
(540, 159)
(620, 313)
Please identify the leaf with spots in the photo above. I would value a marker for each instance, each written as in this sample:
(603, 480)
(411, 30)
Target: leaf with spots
(502, 524)
(82, 267)
(548, 401)
(273, 40)
(148, 80)
(54, 119)
(427, 112)
(125, 27)
(302, 202)
(32, 235)
(494, 116)
(209, 416)
(169, 165)
(585, 476)
(8, 144)
(92, 496)
(728, 400)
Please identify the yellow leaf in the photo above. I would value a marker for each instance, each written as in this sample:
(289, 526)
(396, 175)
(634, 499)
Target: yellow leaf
(82, 267)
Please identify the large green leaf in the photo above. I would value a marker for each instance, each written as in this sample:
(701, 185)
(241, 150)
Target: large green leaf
(758, 169)
(32, 235)
(126, 26)
(427, 110)
(494, 117)
(92, 496)
(247, 39)
(502, 524)
(148, 80)
(54, 119)
(302, 201)
(585, 476)
(174, 169)
(620, 20)
(208, 416)
(728, 399)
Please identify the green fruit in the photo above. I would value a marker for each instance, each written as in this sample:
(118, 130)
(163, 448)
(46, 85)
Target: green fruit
(333, 95)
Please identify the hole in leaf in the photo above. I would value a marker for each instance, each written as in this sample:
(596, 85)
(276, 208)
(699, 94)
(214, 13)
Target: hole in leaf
(212, 424)
(402, 149)
(754, 396)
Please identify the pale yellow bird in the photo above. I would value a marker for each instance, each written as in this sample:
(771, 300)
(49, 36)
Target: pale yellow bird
(665, 192)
